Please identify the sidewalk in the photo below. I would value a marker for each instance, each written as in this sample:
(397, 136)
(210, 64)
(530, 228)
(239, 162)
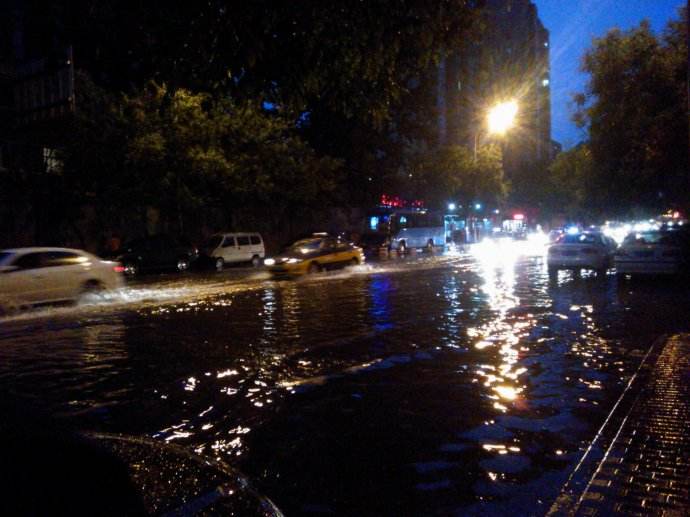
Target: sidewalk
(646, 469)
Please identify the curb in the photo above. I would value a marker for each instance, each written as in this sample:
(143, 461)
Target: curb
(573, 491)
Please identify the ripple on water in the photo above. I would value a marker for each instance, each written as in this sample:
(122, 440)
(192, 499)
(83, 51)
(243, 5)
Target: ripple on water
(455, 380)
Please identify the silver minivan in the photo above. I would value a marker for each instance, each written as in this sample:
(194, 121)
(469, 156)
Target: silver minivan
(231, 248)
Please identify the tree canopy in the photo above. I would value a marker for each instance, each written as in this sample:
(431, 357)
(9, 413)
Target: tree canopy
(192, 156)
(348, 57)
(451, 173)
(635, 111)
(184, 105)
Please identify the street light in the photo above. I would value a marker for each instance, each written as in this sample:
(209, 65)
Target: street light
(451, 207)
(500, 119)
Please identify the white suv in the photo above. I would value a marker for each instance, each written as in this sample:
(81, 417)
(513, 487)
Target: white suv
(229, 248)
(33, 276)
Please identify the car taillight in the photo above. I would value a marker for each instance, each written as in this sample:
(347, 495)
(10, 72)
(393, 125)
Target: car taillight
(119, 269)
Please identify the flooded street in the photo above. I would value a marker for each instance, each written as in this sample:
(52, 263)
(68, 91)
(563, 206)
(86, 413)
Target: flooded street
(467, 383)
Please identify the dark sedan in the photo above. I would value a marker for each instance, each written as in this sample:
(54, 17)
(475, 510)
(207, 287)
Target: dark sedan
(157, 253)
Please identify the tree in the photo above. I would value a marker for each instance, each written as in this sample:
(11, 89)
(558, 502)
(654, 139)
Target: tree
(635, 111)
(341, 69)
(447, 173)
(567, 184)
(190, 156)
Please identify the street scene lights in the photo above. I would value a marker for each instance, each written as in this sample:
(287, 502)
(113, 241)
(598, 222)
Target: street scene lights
(500, 119)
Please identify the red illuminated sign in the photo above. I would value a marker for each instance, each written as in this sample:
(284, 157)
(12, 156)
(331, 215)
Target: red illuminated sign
(398, 202)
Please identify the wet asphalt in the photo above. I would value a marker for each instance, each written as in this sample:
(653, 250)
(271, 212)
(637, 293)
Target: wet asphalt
(464, 383)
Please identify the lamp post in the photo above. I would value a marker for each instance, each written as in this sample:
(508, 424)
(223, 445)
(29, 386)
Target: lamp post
(500, 119)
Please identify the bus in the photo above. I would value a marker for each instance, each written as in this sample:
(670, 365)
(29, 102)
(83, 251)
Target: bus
(415, 228)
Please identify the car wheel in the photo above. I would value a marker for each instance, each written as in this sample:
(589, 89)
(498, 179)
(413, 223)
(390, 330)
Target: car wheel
(430, 246)
(183, 264)
(256, 261)
(220, 264)
(8, 308)
(314, 268)
(91, 291)
(131, 269)
(354, 261)
(402, 247)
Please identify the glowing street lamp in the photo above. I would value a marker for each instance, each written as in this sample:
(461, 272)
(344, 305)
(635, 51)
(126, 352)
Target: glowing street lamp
(502, 117)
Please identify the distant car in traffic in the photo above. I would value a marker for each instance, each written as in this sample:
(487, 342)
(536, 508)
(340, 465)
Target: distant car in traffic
(653, 252)
(36, 276)
(233, 248)
(156, 253)
(315, 254)
(581, 250)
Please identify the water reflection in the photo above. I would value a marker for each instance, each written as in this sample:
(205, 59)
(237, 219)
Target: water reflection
(500, 336)
(460, 384)
(380, 288)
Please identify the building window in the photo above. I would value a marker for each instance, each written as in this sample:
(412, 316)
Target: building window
(546, 43)
(51, 161)
(545, 82)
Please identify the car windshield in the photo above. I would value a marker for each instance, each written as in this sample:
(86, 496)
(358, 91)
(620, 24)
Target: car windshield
(305, 246)
(213, 241)
(580, 238)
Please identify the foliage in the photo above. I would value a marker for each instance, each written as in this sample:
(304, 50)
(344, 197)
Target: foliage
(340, 69)
(351, 58)
(567, 183)
(231, 105)
(187, 154)
(635, 111)
(451, 173)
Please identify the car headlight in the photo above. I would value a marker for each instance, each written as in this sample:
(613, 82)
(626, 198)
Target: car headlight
(269, 261)
(293, 260)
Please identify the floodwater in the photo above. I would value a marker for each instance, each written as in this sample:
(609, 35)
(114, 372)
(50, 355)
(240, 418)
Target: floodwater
(466, 383)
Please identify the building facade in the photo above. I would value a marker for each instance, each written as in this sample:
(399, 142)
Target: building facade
(509, 60)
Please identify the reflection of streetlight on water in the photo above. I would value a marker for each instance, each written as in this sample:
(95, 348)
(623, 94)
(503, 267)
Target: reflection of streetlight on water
(500, 119)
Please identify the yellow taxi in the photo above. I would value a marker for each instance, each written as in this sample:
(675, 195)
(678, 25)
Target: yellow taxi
(314, 254)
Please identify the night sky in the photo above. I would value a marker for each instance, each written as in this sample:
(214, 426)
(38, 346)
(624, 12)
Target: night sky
(572, 24)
